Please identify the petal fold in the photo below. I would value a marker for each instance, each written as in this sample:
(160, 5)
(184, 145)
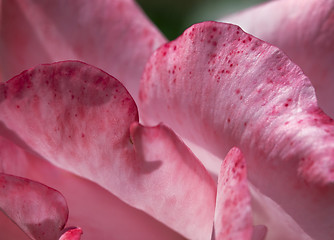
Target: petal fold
(180, 188)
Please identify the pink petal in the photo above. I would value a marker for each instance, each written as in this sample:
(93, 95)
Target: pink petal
(302, 29)
(233, 215)
(220, 87)
(80, 121)
(72, 234)
(101, 215)
(114, 35)
(72, 113)
(41, 212)
(172, 183)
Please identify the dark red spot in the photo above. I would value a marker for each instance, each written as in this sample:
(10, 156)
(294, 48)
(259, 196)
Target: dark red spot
(174, 48)
(82, 135)
(237, 91)
(17, 106)
(238, 32)
(214, 29)
(228, 120)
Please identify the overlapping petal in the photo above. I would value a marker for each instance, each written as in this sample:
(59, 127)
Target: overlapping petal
(233, 215)
(100, 214)
(41, 212)
(78, 118)
(304, 30)
(180, 189)
(112, 34)
(237, 90)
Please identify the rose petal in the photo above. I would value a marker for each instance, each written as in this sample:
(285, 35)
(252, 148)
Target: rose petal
(233, 214)
(302, 29)
(41, 212)
(112, 34)
(101, 215)
(180, 189)
(72, 113)
(220, 87)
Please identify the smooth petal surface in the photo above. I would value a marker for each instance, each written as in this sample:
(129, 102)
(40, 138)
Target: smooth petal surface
(180, 189)
(220, 87)
(233, 214)
(100, 214)
(112, 34)
(41, 212)
(304, 30)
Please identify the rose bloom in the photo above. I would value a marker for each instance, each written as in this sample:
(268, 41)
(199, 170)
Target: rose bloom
(115, 133)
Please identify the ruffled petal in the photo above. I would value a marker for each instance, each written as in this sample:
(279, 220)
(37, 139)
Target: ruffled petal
(114, 35)
(41, 212)
(101, 215)
(220, 87)
(304, 30)
(172, 182)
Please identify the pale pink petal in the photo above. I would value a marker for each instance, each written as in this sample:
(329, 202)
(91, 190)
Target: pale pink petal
(100, 214)
(304, 30)
(172, 182)
(41, 212)
(220, 87)
(78, 118)
(233, 214)
(114, 35)
(72, 234)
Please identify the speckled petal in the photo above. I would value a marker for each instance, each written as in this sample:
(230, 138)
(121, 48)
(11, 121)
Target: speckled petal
(233, 214)
(114, 35)
(220, 87)
(41, 212)
(304, 30)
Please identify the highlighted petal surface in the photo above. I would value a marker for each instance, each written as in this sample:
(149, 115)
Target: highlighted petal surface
(112, 34)
(41, 212)
(304, 30)
(220, 87)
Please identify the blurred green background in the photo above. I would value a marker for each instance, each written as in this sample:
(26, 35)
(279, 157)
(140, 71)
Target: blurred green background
(174, 16)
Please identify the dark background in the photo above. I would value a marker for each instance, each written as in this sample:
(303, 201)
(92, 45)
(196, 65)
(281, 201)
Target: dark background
(174, 16)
